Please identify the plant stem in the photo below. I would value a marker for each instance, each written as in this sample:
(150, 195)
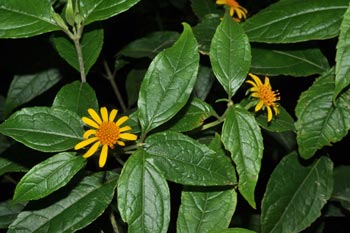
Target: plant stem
(110, 76)
(80, 58)
(114, 223)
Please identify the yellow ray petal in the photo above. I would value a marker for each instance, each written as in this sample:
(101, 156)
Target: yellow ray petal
(90, 122)
(121, 120)
(113, 114)
(125, 128)
(269, 114)
(85, 143)
(92, 150)
(103, 156)
(128, 136)
(104, 114)
(94, 115)
(88, 133)
(121, 143)
(256, 79)
(259, 106)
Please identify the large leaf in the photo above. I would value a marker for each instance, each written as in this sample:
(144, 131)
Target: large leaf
(168, 82)
(320, 121)
(48, 176)
(296, 21)
(91, 45)
(96, 10)
(26, 87)
(9, 212)
(44, 129)
(341, 191)
(294, 62)
(242, 137)
(77, 97)
(143, 196)
(295, 194)
(186, 161)
(20, 18)
(72, 209)
(230, 55)
(342, 69)
(204, 209)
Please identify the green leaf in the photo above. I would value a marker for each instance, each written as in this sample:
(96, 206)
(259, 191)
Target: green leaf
(320, 122)
(97, 10)
(8, 165)
(24, 88)
(184, 160)
(242, 137)
(205, 209)
(296, 21)
(48, 176)
(295, 62)
(201, 8)
(20, 19)
(143, 196)
(204, 32)
(72, 209)
(295, 194)
(191, 116)
(168, 82)
(132, 85)
(342, 70)
(341, 191)
(283, 122)
(204, 82)
(150, 45)
(230, 55)
(234, 230)
(44, 129)
(91, 45)
(77, 97)
(9, 212)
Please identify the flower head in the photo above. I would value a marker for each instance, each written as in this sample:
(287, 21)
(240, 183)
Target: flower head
(266, 96)
(105, 133)
(234, 6)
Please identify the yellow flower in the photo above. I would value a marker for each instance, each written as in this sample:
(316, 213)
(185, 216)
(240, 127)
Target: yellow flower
(266, 96)
(106, 132)
(234, 6)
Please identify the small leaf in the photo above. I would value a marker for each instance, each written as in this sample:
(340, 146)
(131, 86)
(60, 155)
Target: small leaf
(150, 45)
(93, 10)
(77, 97)
(295, 194)
(44, 129)
(9, 212)
(296, 21)
(204, 82)
(295, 62)
(91, 45)
(205, 209)
(132, 85)
(8, 165)
(26, 87)
(20, 19)
(241, 136)
(205, 30)
(143, 196)
(341, 190)
(230, 55)
(320, 121)
(48, 176)
(184, 160)
(168, 82)
(72, 209)
(342, 70)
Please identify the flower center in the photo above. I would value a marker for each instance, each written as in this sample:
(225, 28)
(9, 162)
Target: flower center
(268, 96)
(108, 133)
(232, 3)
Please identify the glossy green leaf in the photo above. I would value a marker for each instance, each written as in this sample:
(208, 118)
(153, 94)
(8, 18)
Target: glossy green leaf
(8, 165)
(230, 55)
(72, 209)
(295, 194)
(233, 230)
(24, 88)
(342, 69)
(19, 19)
(77, 97)
(48, 176)
(143, 196)
(241, 136)
(191, 116)
(295, 62)
(96, 10)
(9, 212)
(204, 32)
(320, 122)
(205, 209)
(168, 82)
(296, 21)
(201, 8)
(341, 191)
(91, 45)
(132, 85)
(44, 129)
(184, 160)
(150, 45)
